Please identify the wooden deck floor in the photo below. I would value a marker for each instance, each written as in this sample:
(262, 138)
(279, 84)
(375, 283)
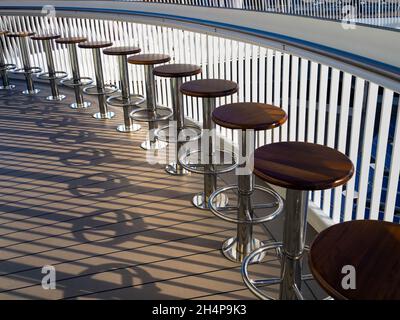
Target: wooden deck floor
(78, 195)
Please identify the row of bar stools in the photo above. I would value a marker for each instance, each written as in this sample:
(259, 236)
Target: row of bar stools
(76, 82)
(100, 89)
(370, 248)
(153, 113)
(248, 118)
(299, 167)
(125, 99)
(52, 75)
(26, 69)
(207, 159)
(5, 67)
(177, 132)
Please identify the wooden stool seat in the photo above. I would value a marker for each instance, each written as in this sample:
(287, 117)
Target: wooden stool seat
(149, 59)
(371, 247)
(177, 70)
(95, 44)
(249, 115)
(209, 88)
(302, 166)
(20, 34)
(3, 32)
(45, 37)
(121, 51)
(71, 40)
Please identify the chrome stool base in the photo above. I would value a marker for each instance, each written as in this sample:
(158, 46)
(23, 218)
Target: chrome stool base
(57, 98)
(229, 250)
(107, 115)
(9, 87)
(84, 105)
(200, 202)
(134, 127)
(175, 170)
(31, 92)
(186, 133)
(153, 145)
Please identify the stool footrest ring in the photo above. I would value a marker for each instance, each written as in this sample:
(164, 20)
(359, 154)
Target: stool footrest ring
(81, 82)
(106, 90)
(221, 212)
(7, 67)
(57, 75)
(31, 70)
(215, 167)
(187, 133)
(146, 115)
(133, 101)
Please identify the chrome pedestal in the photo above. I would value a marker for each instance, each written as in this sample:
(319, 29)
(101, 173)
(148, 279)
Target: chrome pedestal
(125, 100)
(76, 82)
(4, 68)
(52, 75)
(27, 69)
(153, 113)
(100, 89)
(292, 250)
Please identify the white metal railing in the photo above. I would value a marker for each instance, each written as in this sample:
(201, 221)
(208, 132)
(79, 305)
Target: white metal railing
(373, 12)
(325, 105)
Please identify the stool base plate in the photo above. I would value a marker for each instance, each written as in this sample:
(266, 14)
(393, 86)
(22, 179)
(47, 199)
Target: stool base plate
(171, 169)
(31, 93)
(84, 105)
(107, 115)
(229, 250)
(150, 145)
(9, 87)
(198, 201)
(134, 127)
(56, 98)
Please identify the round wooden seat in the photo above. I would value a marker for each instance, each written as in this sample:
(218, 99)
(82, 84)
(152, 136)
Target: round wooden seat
(371, 247)
(95, 44)
(302, 166)
(20, 34)
(71, 40)
(121, 51)
(209, 88)
(46, 37)
(249, 115)
(3, 32)
(177, 70)
(149, 59)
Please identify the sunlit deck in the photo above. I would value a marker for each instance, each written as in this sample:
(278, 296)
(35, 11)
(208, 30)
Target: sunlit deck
(79, 196)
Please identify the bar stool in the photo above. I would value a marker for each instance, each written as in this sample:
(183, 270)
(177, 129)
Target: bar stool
(370, 248)
(247, 117)
(299, 167)
(27, 69)
(51, 75)
(178, 132)
(100, 89)
(153, 113)
(76, 82)
(5, 67)
(125, 100)
(206, 159)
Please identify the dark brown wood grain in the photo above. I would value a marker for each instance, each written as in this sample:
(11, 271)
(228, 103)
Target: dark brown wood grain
(71, 40)
(149, 59)
(372, 247)
(95, 44)
(121, 51)
(209, 88)
(49, 36)
(177, 70)
(249, 115)
(302, 166)
(20, 34)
